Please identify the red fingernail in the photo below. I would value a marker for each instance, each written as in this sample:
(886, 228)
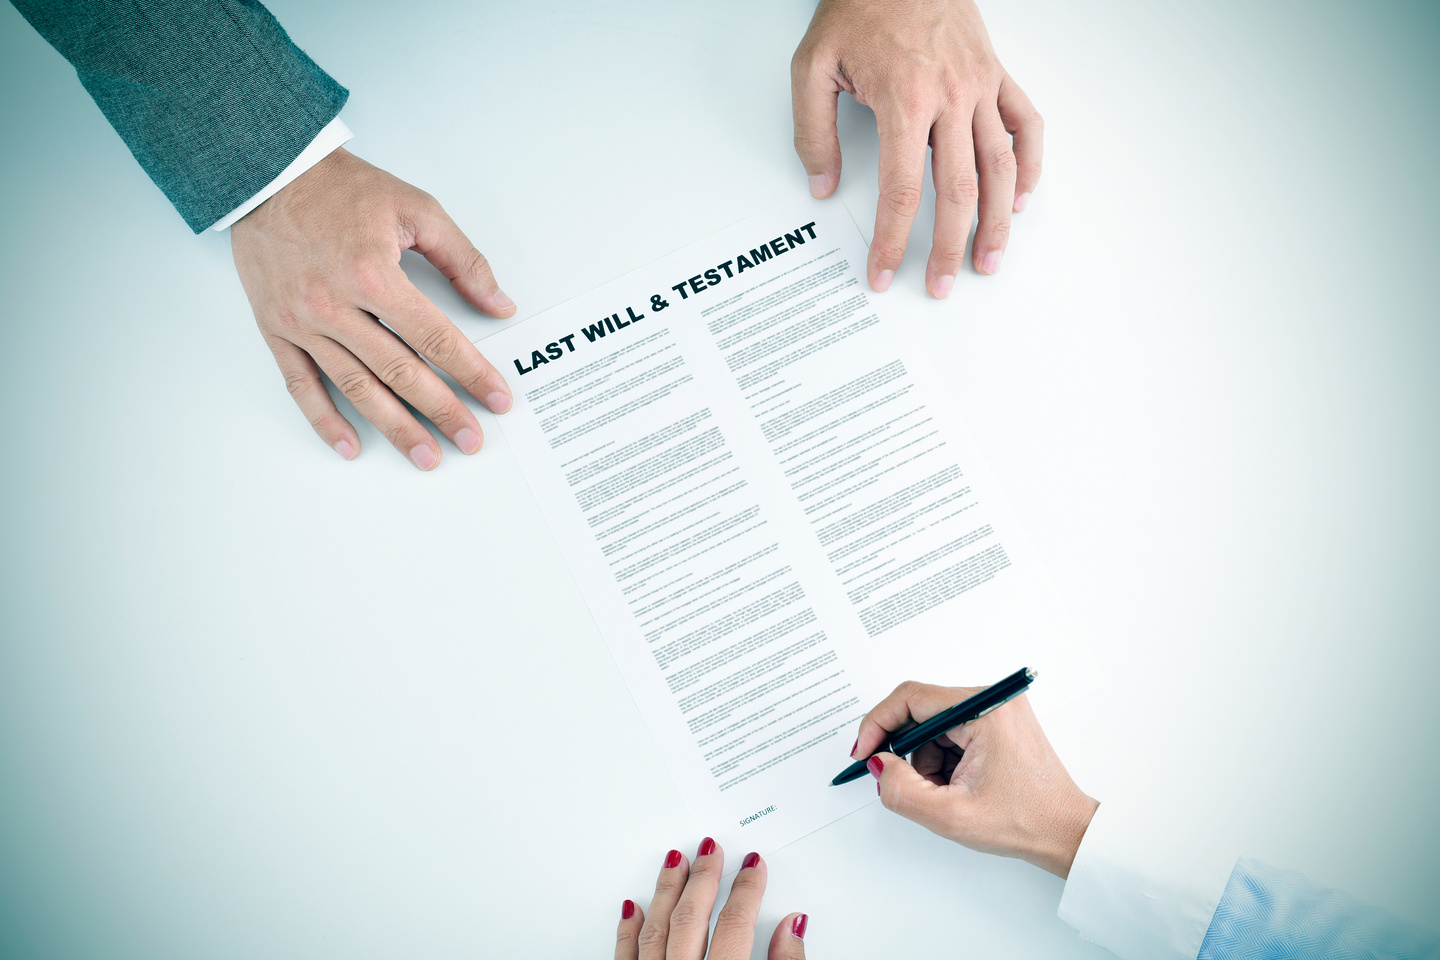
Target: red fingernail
(707, 847)
(672, 859)
(627, 910)
(797, 926)
(750, 860)
(876, 766)
(855, 747)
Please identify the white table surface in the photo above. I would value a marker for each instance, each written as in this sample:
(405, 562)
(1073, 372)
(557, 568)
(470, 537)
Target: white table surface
(257, 701)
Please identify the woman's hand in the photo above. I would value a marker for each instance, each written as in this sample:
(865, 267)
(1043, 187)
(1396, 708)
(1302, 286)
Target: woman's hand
(994, 784)
(928, 71)
(320, 262)
(678, 924)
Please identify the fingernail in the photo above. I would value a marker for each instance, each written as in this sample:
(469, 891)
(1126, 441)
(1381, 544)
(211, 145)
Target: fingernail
(750, 860)
(882, 280)
(467, 440)
(672, 859)
(503, 301)
(707, 847)
(498, 402)
(423, 456)
(876, 766)
(855, 746)
(942, 286)
(345, 449)
(1021, 201)
(819, 186)
(797, 926)
(991, 263)
(627, 909)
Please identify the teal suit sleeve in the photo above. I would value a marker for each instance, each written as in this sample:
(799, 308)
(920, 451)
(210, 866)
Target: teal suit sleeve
(211, 96)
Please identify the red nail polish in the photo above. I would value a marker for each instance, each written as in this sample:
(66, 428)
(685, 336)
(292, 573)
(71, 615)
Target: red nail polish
(627, 910)
(750, 860)
(876, 766)
(672, 859)
(707, 847)
(855, 747)
(877, 790)
(797, 926)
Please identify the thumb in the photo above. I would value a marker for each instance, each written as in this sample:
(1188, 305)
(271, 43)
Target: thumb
(814, 92)
(905, 792)
(439, 240)
(788, 940)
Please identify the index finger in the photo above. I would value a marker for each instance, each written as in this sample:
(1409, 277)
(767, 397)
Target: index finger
(909, 701)
(904, 134)
(390, 295)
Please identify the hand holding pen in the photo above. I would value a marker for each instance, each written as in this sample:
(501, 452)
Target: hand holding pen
(993, 784)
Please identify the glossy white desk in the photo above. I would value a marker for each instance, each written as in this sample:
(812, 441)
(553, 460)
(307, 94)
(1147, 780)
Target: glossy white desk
(256, 701)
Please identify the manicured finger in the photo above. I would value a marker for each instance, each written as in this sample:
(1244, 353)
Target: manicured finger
(655, 930)
(394, 299)
(735, 927)
(909, 701)
(439, 240)
(302, 379)
(788, 940)
(813, 93)
(627, 936)
(690, 920)
(1027, 128)
(375, 401)
(956, 189)
(996, 163)
(904, 133)
(410, 378)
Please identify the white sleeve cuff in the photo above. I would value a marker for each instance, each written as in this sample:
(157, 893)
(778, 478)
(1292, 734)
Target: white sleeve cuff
(332, 135)
(1141, 890)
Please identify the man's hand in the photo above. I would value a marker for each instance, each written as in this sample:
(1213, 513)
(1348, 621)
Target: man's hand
(927, 70)
(320, 262)
(994, 784)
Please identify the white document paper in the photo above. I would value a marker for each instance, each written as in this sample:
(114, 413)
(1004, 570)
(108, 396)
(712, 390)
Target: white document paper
(773, 512)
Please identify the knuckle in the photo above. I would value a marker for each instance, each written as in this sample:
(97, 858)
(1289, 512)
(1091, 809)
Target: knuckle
(358, 386)
(903, 197)
(961, 189)
(732, 921)
(318, 300)
(999, 230)
(811, 144)
(369, 279)
(403, 374)
(652, 937)
(298, 384)
(438, 342)
(889, 251)
(1001, 160)
(475, 264)
(327, 424)
(688, 915)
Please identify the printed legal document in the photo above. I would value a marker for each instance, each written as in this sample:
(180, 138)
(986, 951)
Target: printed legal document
(773, 513)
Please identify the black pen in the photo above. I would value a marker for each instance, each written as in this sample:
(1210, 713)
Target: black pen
(904, 742)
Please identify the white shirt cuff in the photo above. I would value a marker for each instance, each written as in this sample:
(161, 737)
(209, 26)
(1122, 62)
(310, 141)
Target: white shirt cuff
(331, 136)
(1142, 891)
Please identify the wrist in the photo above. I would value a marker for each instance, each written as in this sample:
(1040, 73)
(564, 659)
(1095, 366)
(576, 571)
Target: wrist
(1058, 839)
